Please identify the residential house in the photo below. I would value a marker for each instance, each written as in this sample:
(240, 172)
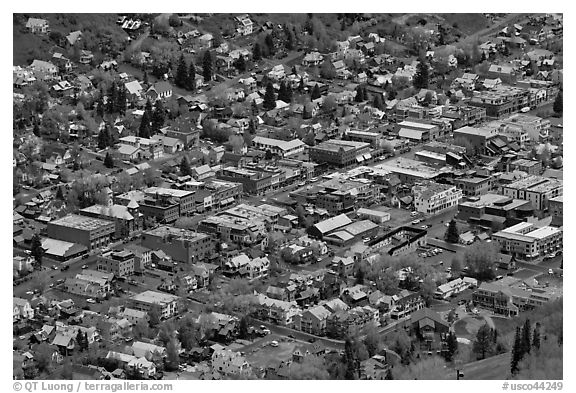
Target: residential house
(38, 26)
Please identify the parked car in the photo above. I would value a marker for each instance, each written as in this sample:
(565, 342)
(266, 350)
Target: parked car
(91, 301)
(274, 343)
(415, 222)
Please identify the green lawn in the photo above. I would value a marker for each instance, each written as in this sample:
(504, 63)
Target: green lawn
(467, 23)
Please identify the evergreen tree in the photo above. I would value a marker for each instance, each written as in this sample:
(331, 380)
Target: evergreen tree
(269, 41)
(452, 235)
(103, 138)
(36, 249)
(516, 351)
(100, 105)
(526, 337)
(181, 78)
(256, 52)
(122, 97)
(536, 337)
(305, 112)
(60, 194)
(158, 117)
(144, 130)
(108, 161)
(112, 98)
(483, 343)
(240, 64)
(378, 103)
(36, 128)
(421, 78)
(349, 360)
(285, 92)
(243, 327)
(359, 94)
(255, 110)
(451, 346)
(185, 167)
(316, 92)
(80, 340)
(301, 84)
(207, 67)
(558, 103)
(191, 81)
(269, 98)
(145, 78)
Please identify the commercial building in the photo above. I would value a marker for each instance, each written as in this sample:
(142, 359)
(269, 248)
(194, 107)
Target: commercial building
(181, 244)
(525, 240)
(556, 209)
(410, 171)
(488, 209)
(185, 199)
(323, 228)
(477, 137)
(340, 153)
(433, 198)
(120, 263)
(535, 127)
(214, 194)
(126, 218)
(474, 186)
(454, 287)
(353, 233)
(88, 231)
(254, 179)
(400, 241)
(89, 283)
(244, 232)
(168, 304)
(536, 189)
(279, 147)
(531, 167)
(377, 216)
(419, 132)
(160, 207)
(501, 101)
(510, 301)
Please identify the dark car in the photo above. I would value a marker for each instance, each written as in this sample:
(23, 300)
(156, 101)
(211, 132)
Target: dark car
(311, 340)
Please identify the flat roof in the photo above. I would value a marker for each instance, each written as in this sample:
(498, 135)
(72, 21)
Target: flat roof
(81, 222)
(171, 191)
(154, 297)
(417, 125)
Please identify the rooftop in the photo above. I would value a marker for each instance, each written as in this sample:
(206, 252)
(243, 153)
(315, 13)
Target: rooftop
(81, 222)
(154, 297)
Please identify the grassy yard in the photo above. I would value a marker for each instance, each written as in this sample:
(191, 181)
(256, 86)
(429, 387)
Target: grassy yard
(467, 23)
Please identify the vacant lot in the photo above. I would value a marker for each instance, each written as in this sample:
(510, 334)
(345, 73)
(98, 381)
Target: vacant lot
(262, 357)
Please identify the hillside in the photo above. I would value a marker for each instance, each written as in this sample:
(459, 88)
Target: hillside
(100, 32)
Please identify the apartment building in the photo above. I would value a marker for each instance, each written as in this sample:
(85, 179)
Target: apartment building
(88, 231)
(525, 240)
(181, 244)
(536, 189)
(433, 198)
(144, 301)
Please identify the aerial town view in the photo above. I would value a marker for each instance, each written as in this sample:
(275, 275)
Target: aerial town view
(287, 196)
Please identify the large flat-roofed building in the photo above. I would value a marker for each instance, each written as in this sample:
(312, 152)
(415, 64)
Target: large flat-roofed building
(181, 244)
(536, 189)
(262, 212)
(254, 181)
(377, 216)
(433, 198)
(525, 240)
(490, 206)
(88, 231)
(161, 208)
(242, 231)
(410, 171)
(418, 132)
(374, 138)
(126, 218)
(478, 137)
(146, 300)
(510, 301)
(214, 194)
(184, 199)
(120, 263)
(556, 209)
(279, 147)
(340, 153)
(534, 126)
(474, 186)
(531, 167)
(400, 241)
(501, 101)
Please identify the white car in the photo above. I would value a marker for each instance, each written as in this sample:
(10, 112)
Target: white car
(91, 301)
(274, 343)
(416, 222)
(550, 271)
